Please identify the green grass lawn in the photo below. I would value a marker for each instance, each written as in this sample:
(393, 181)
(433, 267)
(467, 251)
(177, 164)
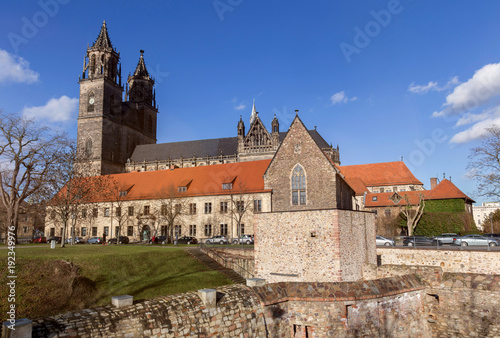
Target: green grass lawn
(47, 285)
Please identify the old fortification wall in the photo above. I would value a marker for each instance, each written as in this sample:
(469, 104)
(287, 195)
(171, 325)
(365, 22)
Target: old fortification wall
(313, 245)
(452, 260)
(386, 307)
(465, 305)
(239, 260)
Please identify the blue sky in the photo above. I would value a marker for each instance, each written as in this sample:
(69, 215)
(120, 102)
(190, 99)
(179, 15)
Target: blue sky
(382, 79)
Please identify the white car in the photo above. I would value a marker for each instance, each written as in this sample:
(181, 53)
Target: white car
(385, 241)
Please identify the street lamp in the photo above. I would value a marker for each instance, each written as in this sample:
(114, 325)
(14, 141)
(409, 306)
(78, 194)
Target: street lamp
(491, 221)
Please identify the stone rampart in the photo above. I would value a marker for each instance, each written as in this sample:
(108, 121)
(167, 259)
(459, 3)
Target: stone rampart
(241, 261)
(386, 307)
(313, 245)
(464, 305)
(453, 260)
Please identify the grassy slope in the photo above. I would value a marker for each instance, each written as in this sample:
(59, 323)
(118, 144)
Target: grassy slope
(49, 286)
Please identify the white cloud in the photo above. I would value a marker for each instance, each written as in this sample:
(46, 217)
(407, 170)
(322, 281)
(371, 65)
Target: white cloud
(422, 89)
(56, 110)
(469, 118)
(15, 69)
(340, 97)
(475, 132)
(479, 90)
(432, 85)
(241, 106)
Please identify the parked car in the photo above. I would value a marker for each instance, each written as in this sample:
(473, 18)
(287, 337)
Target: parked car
(39, 239)
(54, 238)
(420, 241)
(446, 238)
(476, 240)
(95, 240)
(160, 239)
(78, 240)
(219, 239)
(385, 241)
(243, 239)
(497, 236)
(123, 240)
(187, 240)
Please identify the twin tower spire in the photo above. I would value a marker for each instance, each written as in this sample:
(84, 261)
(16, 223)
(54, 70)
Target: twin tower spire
(103, 61)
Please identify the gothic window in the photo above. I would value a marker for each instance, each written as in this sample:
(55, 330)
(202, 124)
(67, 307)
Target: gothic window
(88, 148)
(102, 64)
(91, 101)
(92, 65)
(298, 186)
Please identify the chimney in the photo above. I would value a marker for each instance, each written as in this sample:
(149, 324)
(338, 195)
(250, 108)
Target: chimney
(434, 182)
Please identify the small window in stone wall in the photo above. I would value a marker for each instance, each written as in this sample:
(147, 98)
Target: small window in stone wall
(388, 212)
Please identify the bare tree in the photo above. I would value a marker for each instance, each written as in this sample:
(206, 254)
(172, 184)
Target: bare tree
(484, 165)
(241, 203)
(172, 207)
(119, 202)
(412, 213)
(72, 190)
(28, 154)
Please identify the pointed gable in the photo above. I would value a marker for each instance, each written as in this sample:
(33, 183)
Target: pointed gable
(257, 134)
(299, 153)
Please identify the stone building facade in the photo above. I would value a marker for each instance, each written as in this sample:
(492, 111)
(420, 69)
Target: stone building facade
(117, 125)
(316, 181)
(207, 201)
(109, 127)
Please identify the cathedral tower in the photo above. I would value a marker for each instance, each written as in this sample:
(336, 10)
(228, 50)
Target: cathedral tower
(109, 128)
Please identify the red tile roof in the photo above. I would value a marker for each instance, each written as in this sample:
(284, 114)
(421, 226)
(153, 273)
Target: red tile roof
(204, 180)
(444, 190)
(379, 174)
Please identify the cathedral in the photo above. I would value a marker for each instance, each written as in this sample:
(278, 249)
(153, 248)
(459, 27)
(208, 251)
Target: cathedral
(117, 130)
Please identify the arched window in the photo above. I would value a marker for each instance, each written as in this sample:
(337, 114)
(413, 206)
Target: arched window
(88, 148)
(298, 186)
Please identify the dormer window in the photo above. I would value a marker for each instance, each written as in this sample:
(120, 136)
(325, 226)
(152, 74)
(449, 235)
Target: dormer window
(227, 184)
(122, 193)
(374, 198)
(184, 185)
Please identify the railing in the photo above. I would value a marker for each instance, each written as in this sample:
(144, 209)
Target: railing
(223, 260)
(441, 244)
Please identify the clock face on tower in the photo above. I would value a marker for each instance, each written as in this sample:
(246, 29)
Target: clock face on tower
(91, 100)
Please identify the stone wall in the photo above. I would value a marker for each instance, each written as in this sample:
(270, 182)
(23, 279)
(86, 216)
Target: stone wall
(452, 260)
(238, 313)
(241, 261)
(386, 307)
(314, 245)
(465, 305)
(299, 148)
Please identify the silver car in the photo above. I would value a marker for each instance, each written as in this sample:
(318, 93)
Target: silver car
(446, 238)
(476, 240)
(385, 241)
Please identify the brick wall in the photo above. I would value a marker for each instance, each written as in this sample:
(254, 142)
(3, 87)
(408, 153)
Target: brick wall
(315, 245)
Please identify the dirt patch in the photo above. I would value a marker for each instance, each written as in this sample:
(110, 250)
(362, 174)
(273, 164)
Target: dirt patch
(49, 287)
